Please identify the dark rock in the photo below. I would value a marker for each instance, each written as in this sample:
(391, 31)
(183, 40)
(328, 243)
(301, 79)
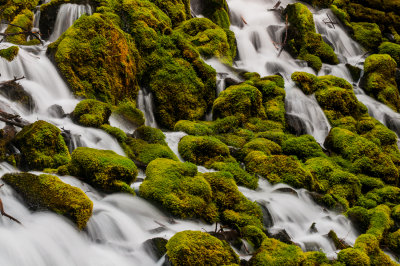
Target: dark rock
(231, 236)
(267, 218)
(287, 190)
(397, 77)
(167, 261)
(339, 243)
(392, 123)
(244, 262)
(156, 247)
(354, 71)
(233, 151)
(7, 134)
(296, 125)
(16, 93)
(56, 111)
(313, 229)
(282, 236)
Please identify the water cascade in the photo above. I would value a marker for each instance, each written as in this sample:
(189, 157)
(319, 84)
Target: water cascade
(145, 103)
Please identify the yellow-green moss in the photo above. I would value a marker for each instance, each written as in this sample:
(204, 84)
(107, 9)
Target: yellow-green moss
(198, 248)
(303, 147)
(24, 20)
(41, 146)
(241, 176)
(367, 34)
(11, 8)
(47, 191)
(103, 169)
(9, 53)
(392, 49)
(91, 113)
(128, 110)
(199, 128)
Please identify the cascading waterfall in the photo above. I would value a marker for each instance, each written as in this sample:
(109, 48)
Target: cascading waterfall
(67, 14)
(145, 103)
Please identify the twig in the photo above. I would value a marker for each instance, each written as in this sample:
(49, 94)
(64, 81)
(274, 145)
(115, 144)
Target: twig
(4, 213)
(36, 35)
(244, 21)
(330, 21)
(286, 33)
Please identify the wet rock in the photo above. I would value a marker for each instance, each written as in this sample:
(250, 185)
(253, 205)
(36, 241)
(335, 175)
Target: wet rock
(296, 124)
(281, 235)
(267, 218)
(7, 134)
(287, 190)
(339, 243)
(231, 236)
(56, 111)
(313, 229)
(16, 93)
(354, 71)
(156, 247)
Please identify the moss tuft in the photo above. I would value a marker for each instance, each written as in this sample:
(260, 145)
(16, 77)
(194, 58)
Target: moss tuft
(91, 113)
(9, 53)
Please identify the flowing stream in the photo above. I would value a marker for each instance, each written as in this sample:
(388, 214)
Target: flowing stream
(120, 224)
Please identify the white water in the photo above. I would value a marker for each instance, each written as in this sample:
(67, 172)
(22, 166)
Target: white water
(145, 103)
(67, 14)
(296, 212)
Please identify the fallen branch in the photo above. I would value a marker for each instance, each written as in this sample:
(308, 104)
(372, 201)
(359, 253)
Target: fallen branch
(330, 21)
(3, 213)
(24, 31)
(10, 81)
(13, 119)
(244, 21)
(286, 33)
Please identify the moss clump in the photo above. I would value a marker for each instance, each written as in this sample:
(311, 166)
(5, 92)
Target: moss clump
(380, 221)
(367, 34)
(209, 39)
(279, 168)
(266, 146)
(193, 128)
(150, 135)
(91, 113)
(254, 235)
(177, 10)
(306, 82)
(103, 169)
(303, 42)
(11, 8)
(394, 241)
(203, 150)
(217, 11)
(41, 146)
(23, 22)
(47, 191)
(379, 80)
(353, 257)
(98, 60)
(368, 244)
(274, 252)
(128, 111)
(392, 49)
(198, 248)
(243, 100)
(240, 175)
(115, 132)
(303, 147)
(178, 188)
(9, 53)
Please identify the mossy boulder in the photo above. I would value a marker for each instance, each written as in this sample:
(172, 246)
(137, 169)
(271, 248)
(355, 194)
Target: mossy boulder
(367, 34)
(11, 8)
(243, 100)
(177, 10)
(379, 80)
(105, 170)
(303, 147)
(266, 146)
(203, 150)
(274, 252)
(369, 244)
(392, 49)
(199, 248)
(279, 169)
(150, 134)
(48, 191)
(41, 146)
(179, 189)
(129, 112)
(98, 60)
(21, 23)
(9, 53)
(306, 82)
(353, 257)
(241, 176)
(193, 128)
(91, 113)
(209, 39)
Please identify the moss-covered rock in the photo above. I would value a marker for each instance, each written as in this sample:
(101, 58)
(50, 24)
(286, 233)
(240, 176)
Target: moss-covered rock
(266, 146)
(41, 146)
(209, 39)
(217, 11)
(379, 80)
(98, 60)
(150, 135)
(193, 128)
(394, 241)
(303, 42)
(178, 188)
(21, 23)
(243, 100)
(368, 244)
(128, 111)
(198, 248)
(303, 147)
(392, 49)
(274, 252)
(241, 176)
(177, 10)
(9, 53)
(353, 257)
(306, 82)
(203, 150)
(367, 34)
(47, 191)
(91, 113)
(103, 169)
(11, 8)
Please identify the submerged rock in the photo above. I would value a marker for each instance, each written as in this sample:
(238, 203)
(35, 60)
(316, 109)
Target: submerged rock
(49, 192)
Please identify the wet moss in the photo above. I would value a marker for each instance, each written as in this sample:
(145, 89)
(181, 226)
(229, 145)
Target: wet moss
(391, 49)
(198, 248)
(115, 132)
(394, 241)
(47, 191)
(179, 189)
(129, 111)
(193, 128)
(353, 257)
(307, 82)
(380, 221)
(91, 113)
(105, 170)
(241, 176)
(303, 147)
(150, 135)
(41, 146)
(217, 11)
(203, 150)
(367, 34)
(266, 146)
(98, 60)
(177, 10)
(11, 8)
(23, 22)
(9, 53)
(379, 80)
(368, 244)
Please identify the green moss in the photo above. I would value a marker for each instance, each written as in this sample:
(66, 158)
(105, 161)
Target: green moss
(367, 34)
(217, 11)
(306, 82)
(379, 80)
(193, 128)
(391, 49)
(9, 53)
(47, 191)
(368, 244)
(243, 101)
(254, 235)
(91, 113)
(313, 61)
(303, 147)
(380, 221)
(179, 189)
(360, 217)
(41, 146)
(396, 213)
(115, 132)
(276, 136)
(98, 60)
(315, 258)
(274, 252)
(11, 8)
(355, 72)
(266, 146)
(203, 150)
(353, 257)
(208, 38)
(240, 175)
(24, 20)
(177, 10)
(150, 134)
(128, 110)
(394, 241)
(198, 248)
(105, 170)
(279, 169)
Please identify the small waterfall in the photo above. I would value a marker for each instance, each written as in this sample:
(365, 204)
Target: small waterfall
(294, 211)
(67, 14)
(145, 104)
(172, 139)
